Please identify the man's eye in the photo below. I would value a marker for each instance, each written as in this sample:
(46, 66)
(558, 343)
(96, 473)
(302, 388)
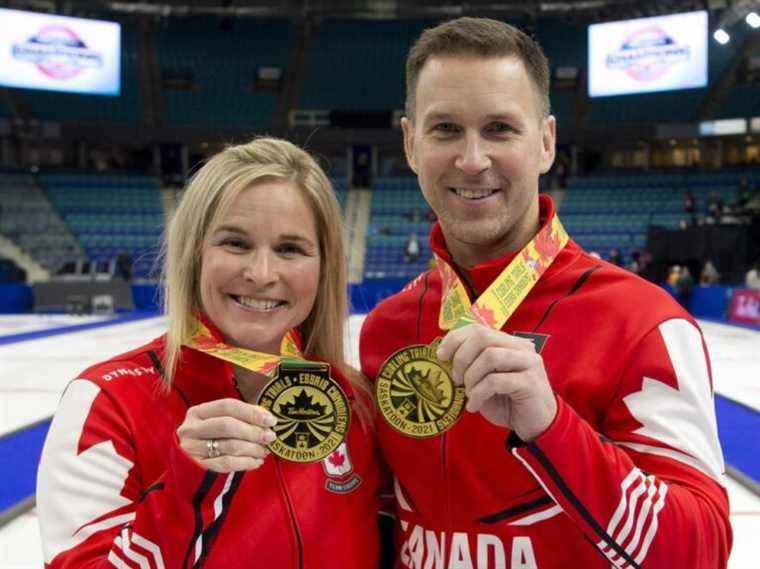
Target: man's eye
(499, 127)
(445, 127)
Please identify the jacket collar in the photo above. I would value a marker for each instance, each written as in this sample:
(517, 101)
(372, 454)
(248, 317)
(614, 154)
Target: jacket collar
(481, 276)
(202, 377)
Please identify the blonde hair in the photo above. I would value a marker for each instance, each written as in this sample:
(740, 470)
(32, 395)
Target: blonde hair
(207, 198)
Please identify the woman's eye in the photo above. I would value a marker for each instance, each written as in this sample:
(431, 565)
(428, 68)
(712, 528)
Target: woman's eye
(234, 243)
(290, 249)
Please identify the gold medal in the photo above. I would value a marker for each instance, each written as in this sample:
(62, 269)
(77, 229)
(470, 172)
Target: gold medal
(311, 408)
(415, 392)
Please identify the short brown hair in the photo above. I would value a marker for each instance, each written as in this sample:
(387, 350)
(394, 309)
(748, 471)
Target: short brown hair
(482, 37)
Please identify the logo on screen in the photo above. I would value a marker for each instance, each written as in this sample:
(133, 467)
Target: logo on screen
(58, 52)
(648, 54)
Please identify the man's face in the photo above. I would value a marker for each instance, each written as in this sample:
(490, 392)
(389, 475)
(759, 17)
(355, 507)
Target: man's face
(478, 143)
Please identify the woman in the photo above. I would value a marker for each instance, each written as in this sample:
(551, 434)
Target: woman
(160, 457)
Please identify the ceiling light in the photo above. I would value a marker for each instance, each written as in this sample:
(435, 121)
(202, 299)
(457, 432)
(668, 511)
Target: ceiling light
(721, 36)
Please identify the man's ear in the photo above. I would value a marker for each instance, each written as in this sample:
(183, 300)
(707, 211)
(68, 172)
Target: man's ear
(408, 128)
(548, 143)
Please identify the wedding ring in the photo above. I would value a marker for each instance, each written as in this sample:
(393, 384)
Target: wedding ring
(212, 448)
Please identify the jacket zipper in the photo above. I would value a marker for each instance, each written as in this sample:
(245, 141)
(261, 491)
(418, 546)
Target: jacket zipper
(445, 473)
(291, 513)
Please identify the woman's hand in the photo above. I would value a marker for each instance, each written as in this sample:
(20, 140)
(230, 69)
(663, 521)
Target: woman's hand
(227, 435)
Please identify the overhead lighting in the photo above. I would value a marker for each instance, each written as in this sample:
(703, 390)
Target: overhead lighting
(721, 36)
(753, 19)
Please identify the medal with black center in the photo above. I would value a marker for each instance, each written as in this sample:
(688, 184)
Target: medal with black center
(415, 393)
(311, 408)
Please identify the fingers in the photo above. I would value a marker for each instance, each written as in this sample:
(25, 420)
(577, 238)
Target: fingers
(502, 383)
(226, 463)
(225, 428)
(253, 414)
(462, 347)
(241, 431)
(496, 360)
(230, 447)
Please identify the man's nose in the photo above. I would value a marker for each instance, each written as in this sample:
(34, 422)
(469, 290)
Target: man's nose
(474, 157)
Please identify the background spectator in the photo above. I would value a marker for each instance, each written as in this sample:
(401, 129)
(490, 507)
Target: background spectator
(684, 287)
(752, 280)
(709, 274)
(412, 249)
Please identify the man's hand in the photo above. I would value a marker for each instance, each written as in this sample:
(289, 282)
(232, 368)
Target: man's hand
(503, 376)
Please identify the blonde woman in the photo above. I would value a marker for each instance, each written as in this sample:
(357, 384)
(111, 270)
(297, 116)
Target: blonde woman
(160, 457)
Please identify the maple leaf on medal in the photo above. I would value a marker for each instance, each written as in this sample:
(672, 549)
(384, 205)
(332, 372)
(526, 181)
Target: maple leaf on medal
(303, 408)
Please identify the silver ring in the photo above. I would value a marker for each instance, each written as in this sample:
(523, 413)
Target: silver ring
(212, 448)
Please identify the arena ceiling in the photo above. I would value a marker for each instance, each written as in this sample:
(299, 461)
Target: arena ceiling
(589, 10)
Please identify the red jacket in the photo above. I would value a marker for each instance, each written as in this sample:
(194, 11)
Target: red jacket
(630, 472)
(115, 489)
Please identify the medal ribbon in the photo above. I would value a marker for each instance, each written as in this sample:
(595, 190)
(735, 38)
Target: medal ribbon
(203, 341)
(500, 300)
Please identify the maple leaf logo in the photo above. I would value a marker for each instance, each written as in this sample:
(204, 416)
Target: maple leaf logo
(484, 315)
(337, 459)
(303, 408)
(206, 343)
(267, 367)
(547, 246)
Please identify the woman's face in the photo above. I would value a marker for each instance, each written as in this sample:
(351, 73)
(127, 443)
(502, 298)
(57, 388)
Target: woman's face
(260, 266)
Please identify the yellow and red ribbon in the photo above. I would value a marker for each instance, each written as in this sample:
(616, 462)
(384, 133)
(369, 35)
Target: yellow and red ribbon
(260, 362)
(500, 300)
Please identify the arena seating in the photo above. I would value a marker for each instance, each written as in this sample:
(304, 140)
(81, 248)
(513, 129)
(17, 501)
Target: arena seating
(110, 215)
(614, 211)
(398, 210)
(221, 60)
(351, 64)
(29, 219)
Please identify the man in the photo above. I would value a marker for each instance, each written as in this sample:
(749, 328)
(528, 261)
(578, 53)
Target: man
(588, 435)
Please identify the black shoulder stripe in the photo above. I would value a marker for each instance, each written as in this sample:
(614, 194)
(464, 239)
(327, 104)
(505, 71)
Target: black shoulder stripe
(149, 489)
(212, 531)
(579, 507)
(419, 304)
(200, 495)
(156, 363)
(516, 510)
(576, 285)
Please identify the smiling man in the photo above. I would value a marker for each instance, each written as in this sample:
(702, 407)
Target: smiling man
(540, 408)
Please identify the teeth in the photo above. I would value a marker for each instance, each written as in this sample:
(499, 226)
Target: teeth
(473, 194)
(258, 304)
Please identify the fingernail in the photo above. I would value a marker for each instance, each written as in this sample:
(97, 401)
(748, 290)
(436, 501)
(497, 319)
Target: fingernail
(269, 420)
(269, 436)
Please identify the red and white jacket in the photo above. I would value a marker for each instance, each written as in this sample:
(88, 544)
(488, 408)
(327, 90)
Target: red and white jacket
(116, 490)
(630, 472)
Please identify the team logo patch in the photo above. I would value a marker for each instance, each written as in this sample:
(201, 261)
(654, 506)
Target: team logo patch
(538, 339)
(340, 471)
(415, 393)
(312, 412)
